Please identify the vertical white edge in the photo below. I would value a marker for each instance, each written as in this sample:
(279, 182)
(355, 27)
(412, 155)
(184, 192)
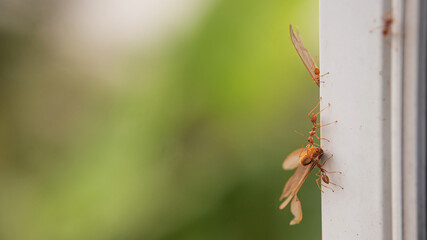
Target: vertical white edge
(410, 30)
(396, 78)
(358, 89)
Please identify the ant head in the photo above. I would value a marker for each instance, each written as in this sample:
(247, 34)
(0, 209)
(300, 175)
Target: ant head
(317, 71)
(319, 152)
(313, 117)
(311, 139)
(325, 178)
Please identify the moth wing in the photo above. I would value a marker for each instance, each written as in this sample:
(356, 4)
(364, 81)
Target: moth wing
(292, 160)
(304, 54)
(300, 178)
(296, 210)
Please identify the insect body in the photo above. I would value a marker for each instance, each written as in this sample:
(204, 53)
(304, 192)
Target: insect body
(305, 160)
(387, 26)
(295, 182)
(313, 119)
(310, 154)
(305, 56)
(322, 176)
(388, 21)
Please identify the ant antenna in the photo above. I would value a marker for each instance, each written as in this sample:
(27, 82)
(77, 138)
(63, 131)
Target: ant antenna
(300, 134)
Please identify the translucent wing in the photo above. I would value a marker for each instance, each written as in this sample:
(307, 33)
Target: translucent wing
(292, 160)
(296, 210)
(305, 55)
(293, 181)
(299, 177)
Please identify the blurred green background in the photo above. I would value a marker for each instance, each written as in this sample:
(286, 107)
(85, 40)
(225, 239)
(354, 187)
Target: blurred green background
(169, 121)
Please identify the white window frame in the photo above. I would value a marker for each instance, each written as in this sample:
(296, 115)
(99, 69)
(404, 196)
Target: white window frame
(376, 88)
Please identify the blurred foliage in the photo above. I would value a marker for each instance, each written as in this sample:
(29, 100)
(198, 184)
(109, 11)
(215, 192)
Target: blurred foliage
(185, 141)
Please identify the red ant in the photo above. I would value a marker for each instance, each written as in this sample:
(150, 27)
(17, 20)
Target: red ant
(313, 154)
(322, 175)
(388, 21)
(305, 56)
(313, 119)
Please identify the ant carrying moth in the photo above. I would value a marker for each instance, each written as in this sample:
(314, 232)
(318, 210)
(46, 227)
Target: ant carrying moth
(305, 160)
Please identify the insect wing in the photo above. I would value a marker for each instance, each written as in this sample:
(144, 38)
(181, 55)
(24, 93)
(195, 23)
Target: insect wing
(296, 210)
(300, 176)
(293, 181)
(304, 54)
(292, 160)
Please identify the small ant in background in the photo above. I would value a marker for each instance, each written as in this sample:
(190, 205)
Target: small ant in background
(388, 21)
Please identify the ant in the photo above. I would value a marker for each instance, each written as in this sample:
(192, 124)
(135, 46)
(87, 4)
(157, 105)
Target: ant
(313, 154)
(305, 56)
(388, 21)
(313, 119)
(322, 175)
(316, 71)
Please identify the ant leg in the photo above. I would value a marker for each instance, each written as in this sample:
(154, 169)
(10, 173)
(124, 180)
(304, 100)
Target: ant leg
(313, 67)
(321, 138)
(324, 74)
(301, 134)
(332, 172)
(327, 124)
(336, 185)
(317, 81)
(323, 109)
(318, 185)
(315, 107)
(323, 185)
(375, 28)
(317, 78)
(324, 161)
(302, 150)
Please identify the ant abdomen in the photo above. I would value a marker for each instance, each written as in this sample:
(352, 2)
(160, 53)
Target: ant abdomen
(325, 179)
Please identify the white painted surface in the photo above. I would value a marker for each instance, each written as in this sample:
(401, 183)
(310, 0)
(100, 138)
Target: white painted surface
(372, 88)
(396, 118)
(357, 88)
